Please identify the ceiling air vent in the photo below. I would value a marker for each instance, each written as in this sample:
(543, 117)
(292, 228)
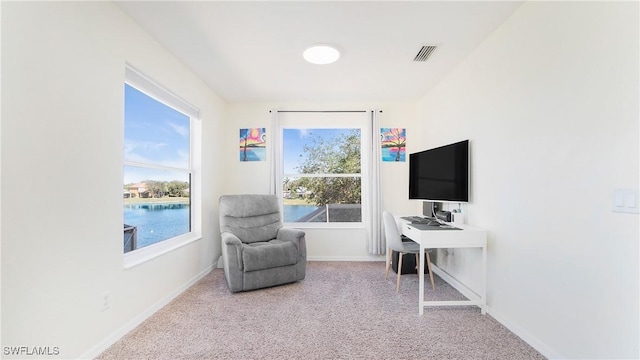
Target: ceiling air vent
(425, 52)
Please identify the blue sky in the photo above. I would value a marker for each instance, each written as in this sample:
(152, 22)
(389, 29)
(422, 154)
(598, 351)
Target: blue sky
(293, 143)
(154, 133)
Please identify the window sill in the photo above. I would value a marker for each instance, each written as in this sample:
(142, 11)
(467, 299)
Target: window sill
(142, 255)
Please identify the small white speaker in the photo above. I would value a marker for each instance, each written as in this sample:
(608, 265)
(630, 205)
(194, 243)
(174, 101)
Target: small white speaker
(458, 218)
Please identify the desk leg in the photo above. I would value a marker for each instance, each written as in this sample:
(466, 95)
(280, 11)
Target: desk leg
(483, 290)
(421, 281)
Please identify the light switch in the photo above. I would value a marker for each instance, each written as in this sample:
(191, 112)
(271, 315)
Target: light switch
(618, 198)
(629, 199)
(625, 201)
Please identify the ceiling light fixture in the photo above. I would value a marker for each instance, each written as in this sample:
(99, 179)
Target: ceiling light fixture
(321, 54)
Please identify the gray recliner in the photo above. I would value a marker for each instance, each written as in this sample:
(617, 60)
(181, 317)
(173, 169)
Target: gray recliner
(257, 250)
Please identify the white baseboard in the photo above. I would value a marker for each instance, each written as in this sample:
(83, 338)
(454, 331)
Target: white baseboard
(540, 346)
(535, 343)
(347, 258)
(331, 258)
(118, 334)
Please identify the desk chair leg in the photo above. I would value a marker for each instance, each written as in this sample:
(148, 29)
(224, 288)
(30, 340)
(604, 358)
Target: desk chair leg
(433, 285)
(389, 257)
(399, 271)
(417, 263)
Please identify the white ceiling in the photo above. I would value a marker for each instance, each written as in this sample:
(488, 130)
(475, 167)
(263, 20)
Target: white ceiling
(252, 51)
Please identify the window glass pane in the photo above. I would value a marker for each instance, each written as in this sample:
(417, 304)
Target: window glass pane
(308, 153)
(156, 200)
(321, 151)
(156, 206)
(154, 133)
(322, 199)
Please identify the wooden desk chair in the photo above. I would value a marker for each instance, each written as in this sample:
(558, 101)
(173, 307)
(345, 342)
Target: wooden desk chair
(395, 243)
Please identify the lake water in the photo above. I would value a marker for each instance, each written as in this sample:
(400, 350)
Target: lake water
(294, 212)
(157, 222)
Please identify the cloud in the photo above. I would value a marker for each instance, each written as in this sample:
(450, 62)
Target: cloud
(303, 133)
(180, 129)
(142, 151)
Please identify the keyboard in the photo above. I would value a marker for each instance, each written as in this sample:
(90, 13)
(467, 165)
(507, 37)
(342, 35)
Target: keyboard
(423, 226)
(420, 220)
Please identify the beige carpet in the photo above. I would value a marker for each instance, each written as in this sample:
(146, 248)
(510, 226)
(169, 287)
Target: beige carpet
(342, 310)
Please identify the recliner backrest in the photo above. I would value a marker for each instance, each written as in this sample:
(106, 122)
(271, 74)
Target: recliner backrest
(251, 217)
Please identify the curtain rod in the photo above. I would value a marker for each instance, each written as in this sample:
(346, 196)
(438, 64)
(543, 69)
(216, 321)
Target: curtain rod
(322, 111)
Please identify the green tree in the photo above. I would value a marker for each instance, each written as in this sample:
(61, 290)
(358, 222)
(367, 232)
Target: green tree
(157, 189)
(338, 155)
(177, 188)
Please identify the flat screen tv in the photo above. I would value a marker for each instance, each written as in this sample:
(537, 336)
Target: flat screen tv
(440, 174)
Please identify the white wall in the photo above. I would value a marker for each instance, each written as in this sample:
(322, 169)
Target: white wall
(253, 177)
(63, 69)
(549, 101)
(550, 104)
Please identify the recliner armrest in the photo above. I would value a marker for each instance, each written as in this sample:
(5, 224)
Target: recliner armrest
(289, 234)
(230, 241)
(298, 238)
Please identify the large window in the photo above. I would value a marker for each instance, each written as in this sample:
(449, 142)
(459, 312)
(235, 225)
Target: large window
(322, 168)
(157, 184)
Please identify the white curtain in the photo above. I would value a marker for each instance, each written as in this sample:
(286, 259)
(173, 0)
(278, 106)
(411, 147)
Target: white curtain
(275, 155)
(375, 240)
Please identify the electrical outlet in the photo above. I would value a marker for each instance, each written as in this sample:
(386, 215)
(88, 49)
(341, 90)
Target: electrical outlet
(106, 300)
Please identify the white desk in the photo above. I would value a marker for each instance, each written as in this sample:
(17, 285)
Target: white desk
(468, 237)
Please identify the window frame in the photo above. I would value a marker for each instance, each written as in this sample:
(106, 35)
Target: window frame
(144, 84)
(328, 120)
